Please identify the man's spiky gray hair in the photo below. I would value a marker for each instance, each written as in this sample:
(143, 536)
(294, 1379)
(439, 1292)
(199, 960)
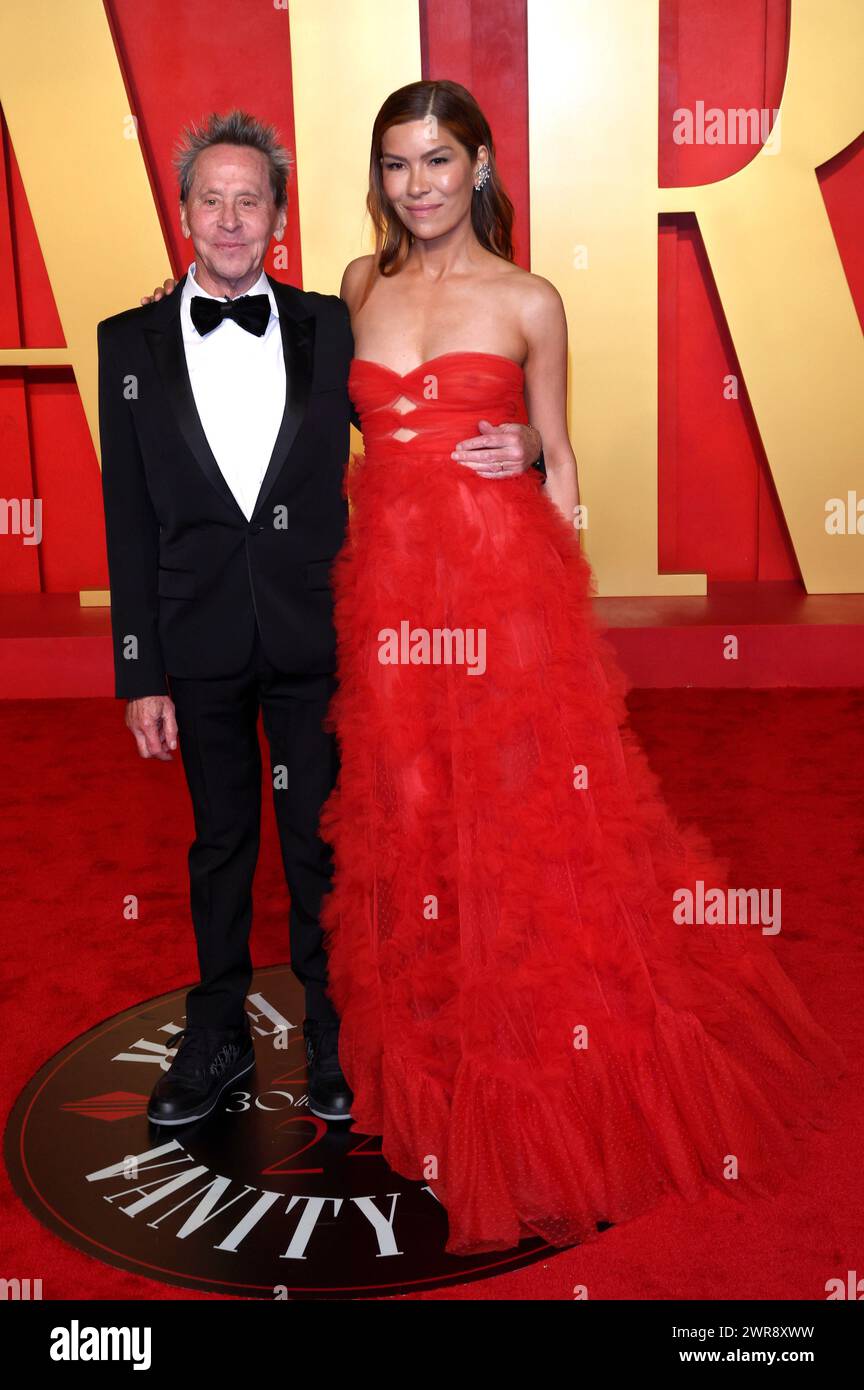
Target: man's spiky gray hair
(234, 128)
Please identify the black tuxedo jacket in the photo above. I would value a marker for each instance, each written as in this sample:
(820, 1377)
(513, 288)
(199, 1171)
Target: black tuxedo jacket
(189, 574)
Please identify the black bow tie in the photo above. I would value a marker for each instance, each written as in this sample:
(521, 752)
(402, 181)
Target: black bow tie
(251, 311)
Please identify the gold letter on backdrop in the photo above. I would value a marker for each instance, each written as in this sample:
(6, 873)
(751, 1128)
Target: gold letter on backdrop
(593, 87)
(593, 79)
(75, 141)
(345, 59)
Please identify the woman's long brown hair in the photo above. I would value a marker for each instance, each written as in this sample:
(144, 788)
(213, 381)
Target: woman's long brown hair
(452, 106)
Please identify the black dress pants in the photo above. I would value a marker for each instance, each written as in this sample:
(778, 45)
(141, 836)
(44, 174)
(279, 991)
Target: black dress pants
(218, 736)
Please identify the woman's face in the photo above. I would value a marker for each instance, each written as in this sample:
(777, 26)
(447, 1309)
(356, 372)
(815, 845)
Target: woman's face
(428, 176)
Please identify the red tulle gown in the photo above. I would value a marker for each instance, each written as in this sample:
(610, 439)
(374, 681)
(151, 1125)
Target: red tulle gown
(524, 1021)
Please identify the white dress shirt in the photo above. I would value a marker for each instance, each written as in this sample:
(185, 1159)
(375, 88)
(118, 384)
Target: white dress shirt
(238, 381)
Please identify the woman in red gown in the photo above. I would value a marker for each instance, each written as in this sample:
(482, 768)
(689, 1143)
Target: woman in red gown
(526, 1020)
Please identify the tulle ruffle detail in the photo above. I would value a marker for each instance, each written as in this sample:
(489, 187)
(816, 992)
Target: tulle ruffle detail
(524, 1023)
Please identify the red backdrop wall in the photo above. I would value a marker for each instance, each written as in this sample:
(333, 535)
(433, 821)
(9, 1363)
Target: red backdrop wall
(718, 509)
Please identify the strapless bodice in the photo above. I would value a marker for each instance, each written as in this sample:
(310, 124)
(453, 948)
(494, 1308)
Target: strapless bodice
(427, 411)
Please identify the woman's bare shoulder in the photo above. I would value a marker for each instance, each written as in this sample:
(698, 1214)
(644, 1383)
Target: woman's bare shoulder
(537, 301)
(354, 279)
(531, 287)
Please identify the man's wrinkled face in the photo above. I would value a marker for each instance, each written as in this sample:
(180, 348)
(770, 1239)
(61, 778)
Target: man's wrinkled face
(231, 216)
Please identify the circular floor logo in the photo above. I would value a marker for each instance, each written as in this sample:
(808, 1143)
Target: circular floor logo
(262, 1200)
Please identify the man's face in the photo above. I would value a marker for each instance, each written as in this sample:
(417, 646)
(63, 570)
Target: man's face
(231, 216)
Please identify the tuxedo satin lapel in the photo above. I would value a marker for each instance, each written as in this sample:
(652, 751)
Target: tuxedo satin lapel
(298, 343)
(165, 342)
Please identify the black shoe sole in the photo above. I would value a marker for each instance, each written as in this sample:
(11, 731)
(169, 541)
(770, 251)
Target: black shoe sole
(323, 1114)
(202, 1114)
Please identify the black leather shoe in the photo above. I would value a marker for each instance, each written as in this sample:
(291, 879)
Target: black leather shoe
(330, 1096)
(208, 1061)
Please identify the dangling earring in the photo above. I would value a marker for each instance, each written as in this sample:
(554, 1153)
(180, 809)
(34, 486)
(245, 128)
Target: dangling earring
(482, 177)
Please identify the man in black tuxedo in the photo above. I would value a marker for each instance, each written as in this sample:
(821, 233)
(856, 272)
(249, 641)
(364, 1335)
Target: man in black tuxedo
(224, 419)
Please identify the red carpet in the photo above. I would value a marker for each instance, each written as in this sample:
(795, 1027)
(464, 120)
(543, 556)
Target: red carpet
(774, 777)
